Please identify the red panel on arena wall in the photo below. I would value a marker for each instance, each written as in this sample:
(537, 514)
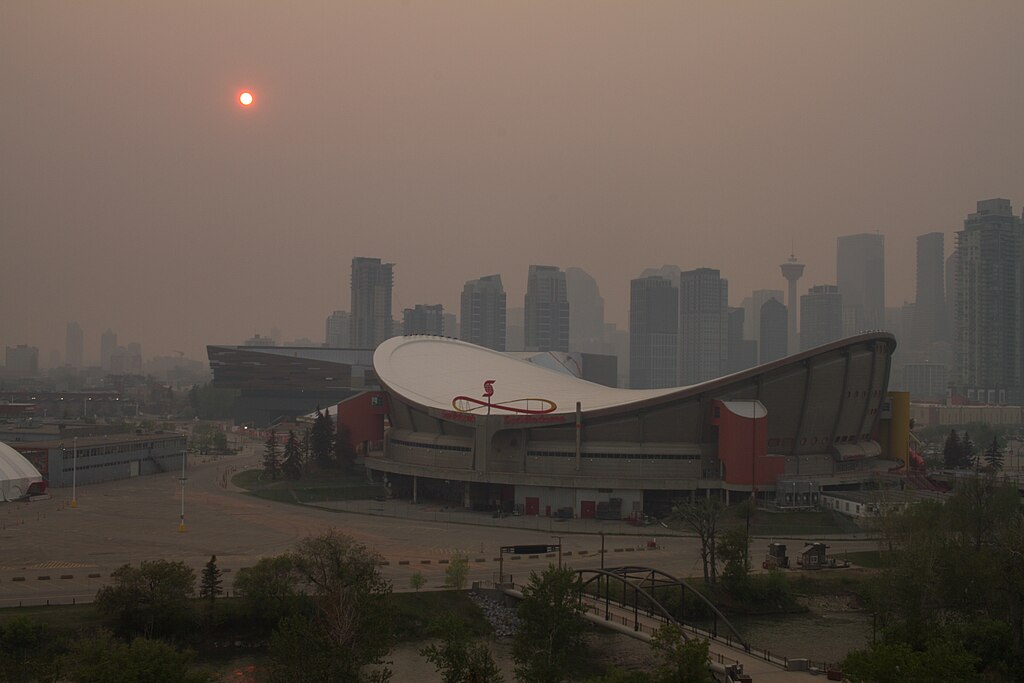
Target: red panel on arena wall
(363, 414)
(743, 443)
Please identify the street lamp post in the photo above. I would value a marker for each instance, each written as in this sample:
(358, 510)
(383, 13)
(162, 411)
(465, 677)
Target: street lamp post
(74, 473)
(181, 523)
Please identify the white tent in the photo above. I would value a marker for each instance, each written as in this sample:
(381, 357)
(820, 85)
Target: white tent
(16, 474)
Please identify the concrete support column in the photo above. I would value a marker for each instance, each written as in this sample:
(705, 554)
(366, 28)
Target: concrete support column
(414, 489)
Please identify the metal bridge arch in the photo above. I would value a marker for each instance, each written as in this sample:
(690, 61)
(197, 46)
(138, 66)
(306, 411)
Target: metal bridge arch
(627, 577)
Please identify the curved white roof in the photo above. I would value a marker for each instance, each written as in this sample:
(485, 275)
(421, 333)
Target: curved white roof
(16, 473)
(432, 371)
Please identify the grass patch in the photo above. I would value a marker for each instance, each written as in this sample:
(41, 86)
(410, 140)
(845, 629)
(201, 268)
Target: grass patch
(803, 522)
(415, 613)
(59, 620)
(319, 488)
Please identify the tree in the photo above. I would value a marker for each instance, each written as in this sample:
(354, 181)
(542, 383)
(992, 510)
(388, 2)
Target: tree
(952, 452)
(457, 659)
(682, 659)
(968, 452)
(417, 581)
(733, 551)
(549, 645)
(321, 440)
(352, 622)
(344, 450)
(271, 461)
(994, 455)
(702, 515)
(102, 658)
(291, 465)
(210, 581)
(457, 571)
(153, 599)
(268, 589)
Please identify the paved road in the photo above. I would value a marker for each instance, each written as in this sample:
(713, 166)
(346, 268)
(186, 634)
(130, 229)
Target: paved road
(132, 520)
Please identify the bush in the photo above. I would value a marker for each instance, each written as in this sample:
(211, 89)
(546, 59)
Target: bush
(152, 600)
(103, 659)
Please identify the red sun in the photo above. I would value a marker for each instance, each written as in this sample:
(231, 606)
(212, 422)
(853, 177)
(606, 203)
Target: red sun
(245, 99)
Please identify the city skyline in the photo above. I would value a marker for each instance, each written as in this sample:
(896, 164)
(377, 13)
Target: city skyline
(138, 196)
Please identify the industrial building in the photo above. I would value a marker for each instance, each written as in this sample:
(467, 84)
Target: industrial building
(485, 430)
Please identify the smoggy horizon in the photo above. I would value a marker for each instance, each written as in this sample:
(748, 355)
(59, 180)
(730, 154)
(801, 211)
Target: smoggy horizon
(460, 140)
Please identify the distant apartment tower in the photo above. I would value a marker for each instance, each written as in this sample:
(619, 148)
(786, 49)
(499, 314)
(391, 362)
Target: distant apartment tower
(338, 332)
(74, 345)
(930, 305)
(22, 361)
(925, 381)
(653, 333)
(752, 310)
(451, 325)
(860, 275)
(821, 316)
(546, 308)
(742, 352)
(774, 324)
(586, 325)
(482, 312)
(424, 319)
(371, 321)
(108, 344)
(989, 279)
(703, 325)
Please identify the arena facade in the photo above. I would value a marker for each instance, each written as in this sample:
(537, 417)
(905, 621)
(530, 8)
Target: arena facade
(484, 430)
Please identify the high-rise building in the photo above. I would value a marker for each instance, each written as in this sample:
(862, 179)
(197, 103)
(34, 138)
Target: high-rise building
(586, 325)
(74, 345)
(930, 308)
(821, 316)
(653, 333)
(108, 344)
(792, 270)
(703, 325)
(22, 361)
(424, 319)
(988, 345)
(860, 275)
(482, 312)
(371, 321)
(742, 352)
(546, 307)
(752, 311)
(774, 331)
(338, 333)
(451, 325)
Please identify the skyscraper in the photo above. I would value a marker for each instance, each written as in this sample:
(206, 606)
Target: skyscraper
(653, 333)
(371, 302)
(774, 325)
(930, 308)
(338, 330)
(860, 275)
(424, 319)
(703, 325)
(821, 316)
(989, 280)
(586, 325)
(108, 344)
(752, 311)
(482, 312)
(74, 345)
(742, 352)
(546, 310)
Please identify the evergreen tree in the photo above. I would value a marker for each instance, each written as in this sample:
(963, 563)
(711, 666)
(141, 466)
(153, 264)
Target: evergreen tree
(344, 451)
(951, 451)
(271, 461)
(291, 465)
(968, 452)
(321, 439)
(994, 455)
(304, 446)
(210, 581)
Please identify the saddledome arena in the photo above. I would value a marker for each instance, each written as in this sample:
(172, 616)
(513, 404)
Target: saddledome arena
(547, 443)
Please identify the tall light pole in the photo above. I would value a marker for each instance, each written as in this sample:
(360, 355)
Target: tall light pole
(74, 473)
(181, 523)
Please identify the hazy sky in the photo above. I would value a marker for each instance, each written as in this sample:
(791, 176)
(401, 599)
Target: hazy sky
(458, 139)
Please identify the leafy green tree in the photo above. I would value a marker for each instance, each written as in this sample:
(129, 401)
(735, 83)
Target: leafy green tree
(101, 658)
(417, 581)
(210, 581)
(682, 659)
(152, 599)
(291, 466)
(21, 640)
(897, 662)
(268, 590)
(734, 553)
(457, 659)
(271, 457)
(457, 571)
(549, 645)
(321, 440)
(701, 516)
(994, 455)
